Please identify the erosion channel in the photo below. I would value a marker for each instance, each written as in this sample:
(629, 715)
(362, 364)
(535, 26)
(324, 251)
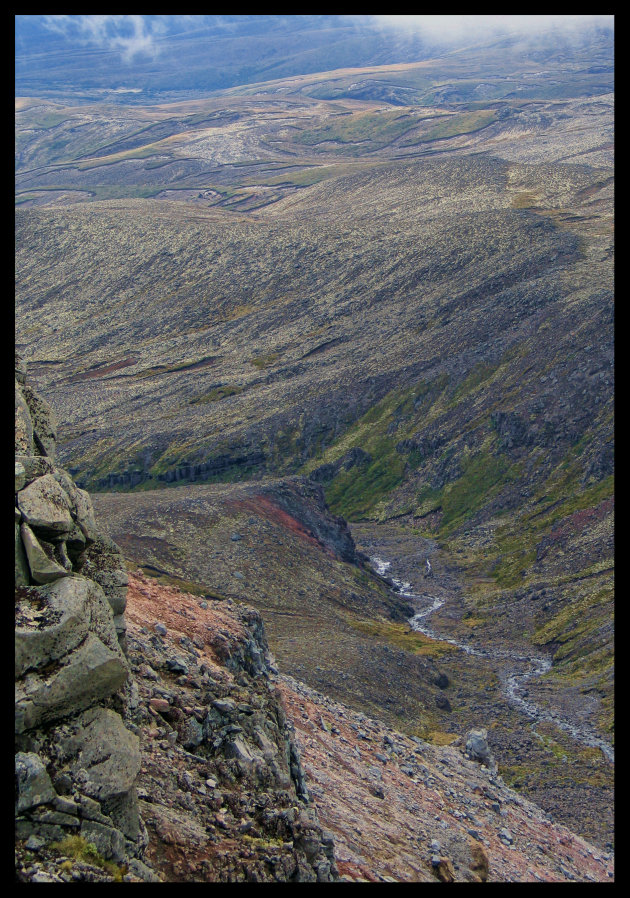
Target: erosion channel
(516, 703)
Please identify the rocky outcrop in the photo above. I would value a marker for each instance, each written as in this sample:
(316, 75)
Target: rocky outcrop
(240, 462)
(477, 748)
(222, 790)
(77, 762)
(353, 458)
(303, 500)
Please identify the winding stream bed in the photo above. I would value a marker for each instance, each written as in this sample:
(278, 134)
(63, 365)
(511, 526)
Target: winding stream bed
(519, 669)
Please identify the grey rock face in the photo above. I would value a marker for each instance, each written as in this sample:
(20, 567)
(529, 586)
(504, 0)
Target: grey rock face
(23, 424)
(109, 842)
(87, 675)
(52, 620)
(44, 423)
(103, 562)
(70, 597)
(43, 568)
(20, 476)
(105, 756)
(45, 505)
(33, 785)
(22, 570)
(34, 466)
(81, 505)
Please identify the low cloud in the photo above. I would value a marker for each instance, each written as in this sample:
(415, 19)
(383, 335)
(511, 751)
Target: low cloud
(130, 35)
(455, 28)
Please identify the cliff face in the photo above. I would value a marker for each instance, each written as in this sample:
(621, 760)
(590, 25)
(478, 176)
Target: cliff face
(76, 760)
(86, 728)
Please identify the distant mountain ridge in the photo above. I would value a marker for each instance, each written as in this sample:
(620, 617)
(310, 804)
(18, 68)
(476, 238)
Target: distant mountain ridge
(220, 52)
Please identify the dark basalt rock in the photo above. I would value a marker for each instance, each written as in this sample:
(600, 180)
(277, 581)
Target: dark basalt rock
(304, 500)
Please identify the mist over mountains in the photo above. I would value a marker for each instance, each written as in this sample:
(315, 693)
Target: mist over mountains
(75, 55)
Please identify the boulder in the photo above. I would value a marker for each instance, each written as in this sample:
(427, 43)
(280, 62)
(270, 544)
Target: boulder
(442, 702)
(106, 757)
(102, 620)
(103, 562)
(89, 674)
(34, 466)
(239, 749)
(479, 863)
(32, 783)
(80, 505)
(22, 570)
(51, 621)
(191, 733)
(20, 476)
(477, 747)
(109, 841)
(43, 569)
(45, 506)
(107, 751)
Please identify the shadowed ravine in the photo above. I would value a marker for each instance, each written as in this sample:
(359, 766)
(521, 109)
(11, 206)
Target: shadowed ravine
(521, 667)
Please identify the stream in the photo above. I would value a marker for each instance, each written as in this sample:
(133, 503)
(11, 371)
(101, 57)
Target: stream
(520, 669)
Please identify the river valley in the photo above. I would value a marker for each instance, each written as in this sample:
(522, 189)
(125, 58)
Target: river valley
(538, 732)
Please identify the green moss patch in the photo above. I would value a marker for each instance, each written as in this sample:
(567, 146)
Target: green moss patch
(79, 849)
(402, 637)
(264, 361)
(483, 476)
(356, 493)
(217, 393)
(374, 128)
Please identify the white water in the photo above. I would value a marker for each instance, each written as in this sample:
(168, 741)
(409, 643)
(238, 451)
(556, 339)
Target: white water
(513, 680)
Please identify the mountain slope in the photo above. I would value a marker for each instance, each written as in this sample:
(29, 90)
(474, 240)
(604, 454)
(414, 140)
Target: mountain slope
(390, 287)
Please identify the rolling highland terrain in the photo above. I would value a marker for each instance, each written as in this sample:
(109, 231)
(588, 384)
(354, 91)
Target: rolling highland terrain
(332, 300)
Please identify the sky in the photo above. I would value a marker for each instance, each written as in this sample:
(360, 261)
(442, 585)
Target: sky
(136, 36)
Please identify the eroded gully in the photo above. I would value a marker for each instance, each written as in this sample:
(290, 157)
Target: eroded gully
(517, 669)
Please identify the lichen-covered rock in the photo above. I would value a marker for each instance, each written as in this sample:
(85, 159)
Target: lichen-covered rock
(20, 476)
(45, 505)
(34, 466)
(103, 562)
(80, 505)
(23, 424)
(44, 423)
(85, 676)
(22, 570)
(69, 660)
(44, 568)
(477, 746)
(20, 368)
(50, 622)
(105, 756)
(33, 786)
